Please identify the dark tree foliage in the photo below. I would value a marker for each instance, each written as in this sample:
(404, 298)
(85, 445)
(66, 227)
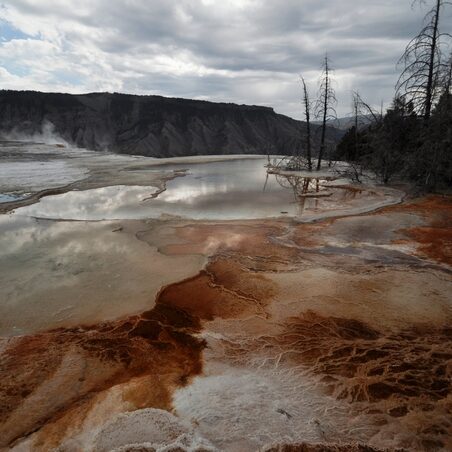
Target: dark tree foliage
(347, 149)
(393, 141)
(383, 145)
(414, 139)
(400, 145)
(432, 162)
(447, 76)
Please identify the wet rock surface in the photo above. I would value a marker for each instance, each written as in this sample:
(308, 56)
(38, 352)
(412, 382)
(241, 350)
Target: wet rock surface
(333, 335)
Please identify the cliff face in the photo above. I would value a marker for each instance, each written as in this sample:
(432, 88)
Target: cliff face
(152, 125)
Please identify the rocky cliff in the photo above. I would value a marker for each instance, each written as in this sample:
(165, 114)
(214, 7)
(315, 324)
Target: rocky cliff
(151, 125)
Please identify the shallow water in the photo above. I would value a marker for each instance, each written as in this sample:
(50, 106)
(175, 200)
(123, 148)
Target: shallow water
(253, 332)
(65, 273)
(31, 167)
(8, 197)
(233, 189)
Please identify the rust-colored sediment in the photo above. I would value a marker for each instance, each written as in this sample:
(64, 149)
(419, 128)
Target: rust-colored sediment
(435, 242)
(305, 447)
(378, 373)
(254, 239)
(359, 363)
(405, 376)
(160, 344)
(225, 289)
(435, 239)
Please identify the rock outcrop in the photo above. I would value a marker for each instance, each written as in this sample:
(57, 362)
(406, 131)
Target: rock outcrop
(151, 125)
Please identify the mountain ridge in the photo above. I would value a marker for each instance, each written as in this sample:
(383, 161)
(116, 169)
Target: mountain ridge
(152, 125)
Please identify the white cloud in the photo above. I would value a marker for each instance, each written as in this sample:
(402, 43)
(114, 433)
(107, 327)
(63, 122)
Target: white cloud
(224, 50)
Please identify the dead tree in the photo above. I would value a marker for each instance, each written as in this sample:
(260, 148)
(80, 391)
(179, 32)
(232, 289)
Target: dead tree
(307, 114)
(356, 120)
(447, 78)
(362, 116)
(325, 106)
(422, 66)
(364, 109)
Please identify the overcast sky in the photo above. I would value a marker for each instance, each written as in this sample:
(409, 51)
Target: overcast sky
(243, 51)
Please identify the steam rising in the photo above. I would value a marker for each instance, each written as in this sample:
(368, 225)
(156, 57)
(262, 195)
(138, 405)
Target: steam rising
(45, 134)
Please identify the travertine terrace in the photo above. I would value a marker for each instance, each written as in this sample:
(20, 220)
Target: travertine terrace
(271, 333)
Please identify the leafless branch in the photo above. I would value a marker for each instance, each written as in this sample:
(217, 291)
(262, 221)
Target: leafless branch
(325, 105)
(420, 79)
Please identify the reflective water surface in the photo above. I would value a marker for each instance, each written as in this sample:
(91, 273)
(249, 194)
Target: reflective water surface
(52, 271)
(7, 197)
(295, 325)
(233, 189)
(63, 273)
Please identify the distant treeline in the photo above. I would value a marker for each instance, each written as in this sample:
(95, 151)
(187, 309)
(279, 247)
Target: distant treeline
(412, 140)
(403, 144)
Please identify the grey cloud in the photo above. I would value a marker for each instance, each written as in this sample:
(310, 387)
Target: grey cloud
(248, 51)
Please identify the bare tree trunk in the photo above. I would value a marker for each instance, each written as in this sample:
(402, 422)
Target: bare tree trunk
(356, 112)
(307, 110)
(431, 66)
(325, 112)
(419, 81)
(325, 106)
